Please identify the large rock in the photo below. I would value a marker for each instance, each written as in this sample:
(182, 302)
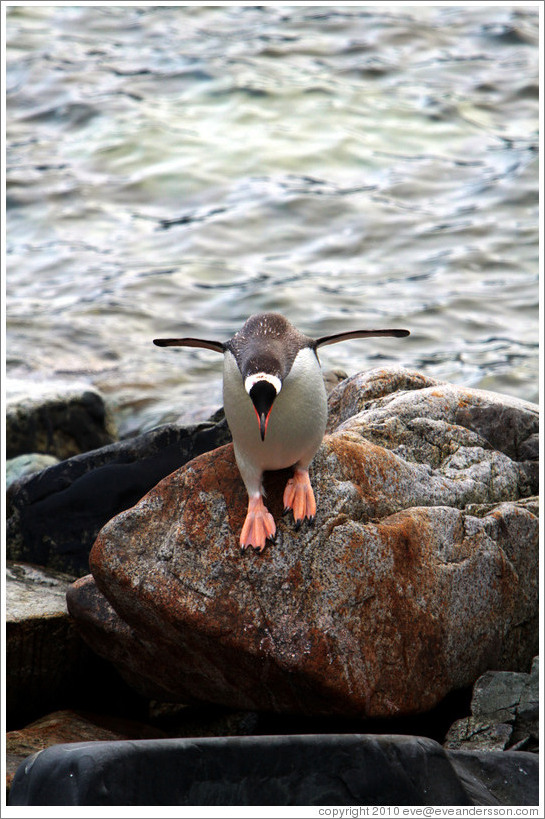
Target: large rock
(419, 574)
(290, 770)
(54, 418)
(55, 516)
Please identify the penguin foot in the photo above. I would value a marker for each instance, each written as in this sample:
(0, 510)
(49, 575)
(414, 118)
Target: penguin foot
(299, 497)
(258, 526)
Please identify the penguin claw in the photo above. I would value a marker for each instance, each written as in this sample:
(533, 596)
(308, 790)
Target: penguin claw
(299, 497)
(258, 527)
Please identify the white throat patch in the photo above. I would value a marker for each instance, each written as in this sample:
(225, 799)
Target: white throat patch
(253, 379)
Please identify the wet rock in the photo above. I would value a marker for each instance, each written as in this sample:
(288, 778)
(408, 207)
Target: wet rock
(55, 516)
(47, 663)
(419, 574)
(291, 770)
(24, 465)
(504, 713)
(56, 419)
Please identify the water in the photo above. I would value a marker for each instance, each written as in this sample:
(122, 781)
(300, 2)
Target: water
(171, 170)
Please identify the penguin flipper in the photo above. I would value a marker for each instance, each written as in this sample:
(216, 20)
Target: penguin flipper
(334, 339)
(217, 346)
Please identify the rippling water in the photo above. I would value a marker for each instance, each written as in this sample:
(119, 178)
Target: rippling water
(171, 170)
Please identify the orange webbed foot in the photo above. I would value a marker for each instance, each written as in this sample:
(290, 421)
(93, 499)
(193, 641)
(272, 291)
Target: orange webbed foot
(258, 526)
(298, 495)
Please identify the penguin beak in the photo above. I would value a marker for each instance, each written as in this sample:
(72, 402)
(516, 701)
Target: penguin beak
(263, 422)
(263, 394)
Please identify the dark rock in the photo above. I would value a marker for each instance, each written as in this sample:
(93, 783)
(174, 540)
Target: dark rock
(498, 778)
(56, 419)
(48, 665)
(419, 574)
(504, 713)
(54, 517)
(69, 726)
(202, 720)
(295, 770)
(112, 637)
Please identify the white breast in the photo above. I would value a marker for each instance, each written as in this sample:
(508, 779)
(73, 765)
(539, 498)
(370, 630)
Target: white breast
(296, 424)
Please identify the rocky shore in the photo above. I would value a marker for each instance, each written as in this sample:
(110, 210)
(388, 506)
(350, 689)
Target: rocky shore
(401, 627)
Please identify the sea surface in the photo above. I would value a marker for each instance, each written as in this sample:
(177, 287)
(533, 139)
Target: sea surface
(173, 169)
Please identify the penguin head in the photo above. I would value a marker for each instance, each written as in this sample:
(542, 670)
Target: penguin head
(264, 350)
(262, 388)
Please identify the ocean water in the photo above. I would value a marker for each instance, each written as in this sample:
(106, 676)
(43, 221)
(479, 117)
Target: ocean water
(172, 170)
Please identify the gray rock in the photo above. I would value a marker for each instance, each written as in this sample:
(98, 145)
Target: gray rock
(332, 378)
(471, 733)
(34, 593)
(504, 713)
(497, 694)
(526, 729)
(24, 465)
(42, 644)
(359, 391)
(453, 430)
(47, 663)
(56, 419)
(419, 573)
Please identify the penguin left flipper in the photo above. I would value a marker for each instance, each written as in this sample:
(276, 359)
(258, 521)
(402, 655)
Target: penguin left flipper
(258, 526)
(298, 495)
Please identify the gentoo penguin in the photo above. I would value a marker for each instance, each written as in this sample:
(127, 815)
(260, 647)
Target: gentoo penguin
(271, 372)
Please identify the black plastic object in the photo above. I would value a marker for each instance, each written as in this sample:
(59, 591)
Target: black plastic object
(351, 769)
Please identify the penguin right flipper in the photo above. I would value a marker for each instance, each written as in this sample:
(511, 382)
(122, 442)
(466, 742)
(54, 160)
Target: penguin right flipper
(217, 346)
(324, 340)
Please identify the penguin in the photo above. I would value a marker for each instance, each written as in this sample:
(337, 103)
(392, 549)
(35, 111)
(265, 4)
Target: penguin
(275, 403)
